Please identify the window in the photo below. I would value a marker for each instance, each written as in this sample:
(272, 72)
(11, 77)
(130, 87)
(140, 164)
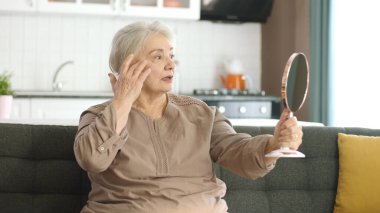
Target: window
(355, 63)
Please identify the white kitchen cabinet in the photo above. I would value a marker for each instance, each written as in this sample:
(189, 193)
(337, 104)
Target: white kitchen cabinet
(184, 9)
(60, 108)
(99, 7)
(18, 5)
(51, 110)
(20, 108)
(180, 9)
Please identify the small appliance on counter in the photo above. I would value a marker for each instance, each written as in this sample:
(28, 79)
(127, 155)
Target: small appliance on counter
(234, 78)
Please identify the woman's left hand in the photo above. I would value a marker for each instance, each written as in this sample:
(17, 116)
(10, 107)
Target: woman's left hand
(287, 133)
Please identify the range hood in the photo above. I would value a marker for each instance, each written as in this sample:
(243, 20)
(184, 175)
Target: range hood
(236, 10)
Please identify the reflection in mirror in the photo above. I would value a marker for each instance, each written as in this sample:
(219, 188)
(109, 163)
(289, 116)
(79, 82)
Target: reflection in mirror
(295, 84)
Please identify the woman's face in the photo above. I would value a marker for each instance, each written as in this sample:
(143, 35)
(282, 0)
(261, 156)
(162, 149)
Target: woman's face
(158, 51)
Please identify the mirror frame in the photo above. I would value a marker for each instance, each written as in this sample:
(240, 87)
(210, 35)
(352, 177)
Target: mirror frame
(285, 76)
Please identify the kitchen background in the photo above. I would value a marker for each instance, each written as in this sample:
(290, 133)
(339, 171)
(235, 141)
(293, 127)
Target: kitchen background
(32, 46)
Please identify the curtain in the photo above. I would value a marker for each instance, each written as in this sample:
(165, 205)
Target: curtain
(319, 60)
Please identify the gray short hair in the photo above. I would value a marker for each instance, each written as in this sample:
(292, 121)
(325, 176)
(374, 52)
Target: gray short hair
(131, 39)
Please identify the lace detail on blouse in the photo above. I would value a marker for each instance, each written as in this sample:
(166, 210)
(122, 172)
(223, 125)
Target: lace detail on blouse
(182, 100)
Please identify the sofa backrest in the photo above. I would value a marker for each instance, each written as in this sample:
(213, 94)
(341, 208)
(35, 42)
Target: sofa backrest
(38, 173)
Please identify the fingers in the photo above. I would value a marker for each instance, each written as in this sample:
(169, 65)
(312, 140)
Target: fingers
(290, 134)
(144, 74)
(290, 122)
(142, 65)
(132, 72)
(285, 114)
(284, 117)
(132, 75)
(126, 64)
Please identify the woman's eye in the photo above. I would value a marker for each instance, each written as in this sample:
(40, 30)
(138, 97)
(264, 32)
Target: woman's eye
(171, 56)
(158, 57)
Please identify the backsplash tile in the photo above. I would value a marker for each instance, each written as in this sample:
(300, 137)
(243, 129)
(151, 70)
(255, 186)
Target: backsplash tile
(33, 46)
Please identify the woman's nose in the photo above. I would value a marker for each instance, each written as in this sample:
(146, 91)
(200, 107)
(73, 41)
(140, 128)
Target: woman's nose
(170, 64)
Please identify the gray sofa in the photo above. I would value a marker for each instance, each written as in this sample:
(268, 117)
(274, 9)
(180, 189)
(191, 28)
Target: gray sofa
(39, 174)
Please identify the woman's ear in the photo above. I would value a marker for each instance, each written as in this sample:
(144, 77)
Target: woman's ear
(113, 80)
(115, 75)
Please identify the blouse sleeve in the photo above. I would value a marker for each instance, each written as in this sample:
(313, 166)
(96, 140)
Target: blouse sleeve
(96, 142)
(238, 152)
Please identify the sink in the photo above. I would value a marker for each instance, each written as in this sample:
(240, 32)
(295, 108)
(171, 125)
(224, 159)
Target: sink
(62, 94)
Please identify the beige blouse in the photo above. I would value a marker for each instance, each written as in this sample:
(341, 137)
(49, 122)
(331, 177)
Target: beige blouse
(163, 165)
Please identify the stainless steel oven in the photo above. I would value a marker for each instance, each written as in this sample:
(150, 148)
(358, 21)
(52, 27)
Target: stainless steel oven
(241, 104)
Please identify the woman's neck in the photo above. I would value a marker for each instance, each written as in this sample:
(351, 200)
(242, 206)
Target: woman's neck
(153, 105)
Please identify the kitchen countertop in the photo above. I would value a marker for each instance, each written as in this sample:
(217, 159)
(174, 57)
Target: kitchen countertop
(106, 94)
(62, 94)
(236, 98)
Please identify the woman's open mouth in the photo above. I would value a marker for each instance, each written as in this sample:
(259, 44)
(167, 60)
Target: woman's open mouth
(168, 78)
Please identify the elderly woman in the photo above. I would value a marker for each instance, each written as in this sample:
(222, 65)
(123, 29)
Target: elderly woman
(147, 150)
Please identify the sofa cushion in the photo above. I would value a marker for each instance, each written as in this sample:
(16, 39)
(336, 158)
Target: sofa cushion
(38, 170)
(359, 171)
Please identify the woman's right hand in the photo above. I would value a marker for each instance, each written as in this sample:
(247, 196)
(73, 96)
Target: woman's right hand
(127, 87)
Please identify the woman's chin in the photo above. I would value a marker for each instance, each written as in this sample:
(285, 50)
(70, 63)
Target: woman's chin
(168, 87)
(165, 89)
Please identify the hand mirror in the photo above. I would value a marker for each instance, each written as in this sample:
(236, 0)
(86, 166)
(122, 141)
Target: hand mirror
(295, 84)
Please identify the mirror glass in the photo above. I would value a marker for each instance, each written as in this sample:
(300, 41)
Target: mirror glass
(295, 82)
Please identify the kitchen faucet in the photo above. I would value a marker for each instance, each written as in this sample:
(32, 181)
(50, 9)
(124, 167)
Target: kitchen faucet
(57, 86)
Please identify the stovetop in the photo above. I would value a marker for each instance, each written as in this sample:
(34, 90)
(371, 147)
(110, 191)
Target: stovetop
(226, 92)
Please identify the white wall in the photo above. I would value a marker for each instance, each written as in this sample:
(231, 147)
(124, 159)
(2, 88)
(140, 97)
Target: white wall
(32, 46)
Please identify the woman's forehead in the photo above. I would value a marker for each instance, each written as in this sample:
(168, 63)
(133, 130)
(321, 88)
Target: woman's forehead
(158, 42)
